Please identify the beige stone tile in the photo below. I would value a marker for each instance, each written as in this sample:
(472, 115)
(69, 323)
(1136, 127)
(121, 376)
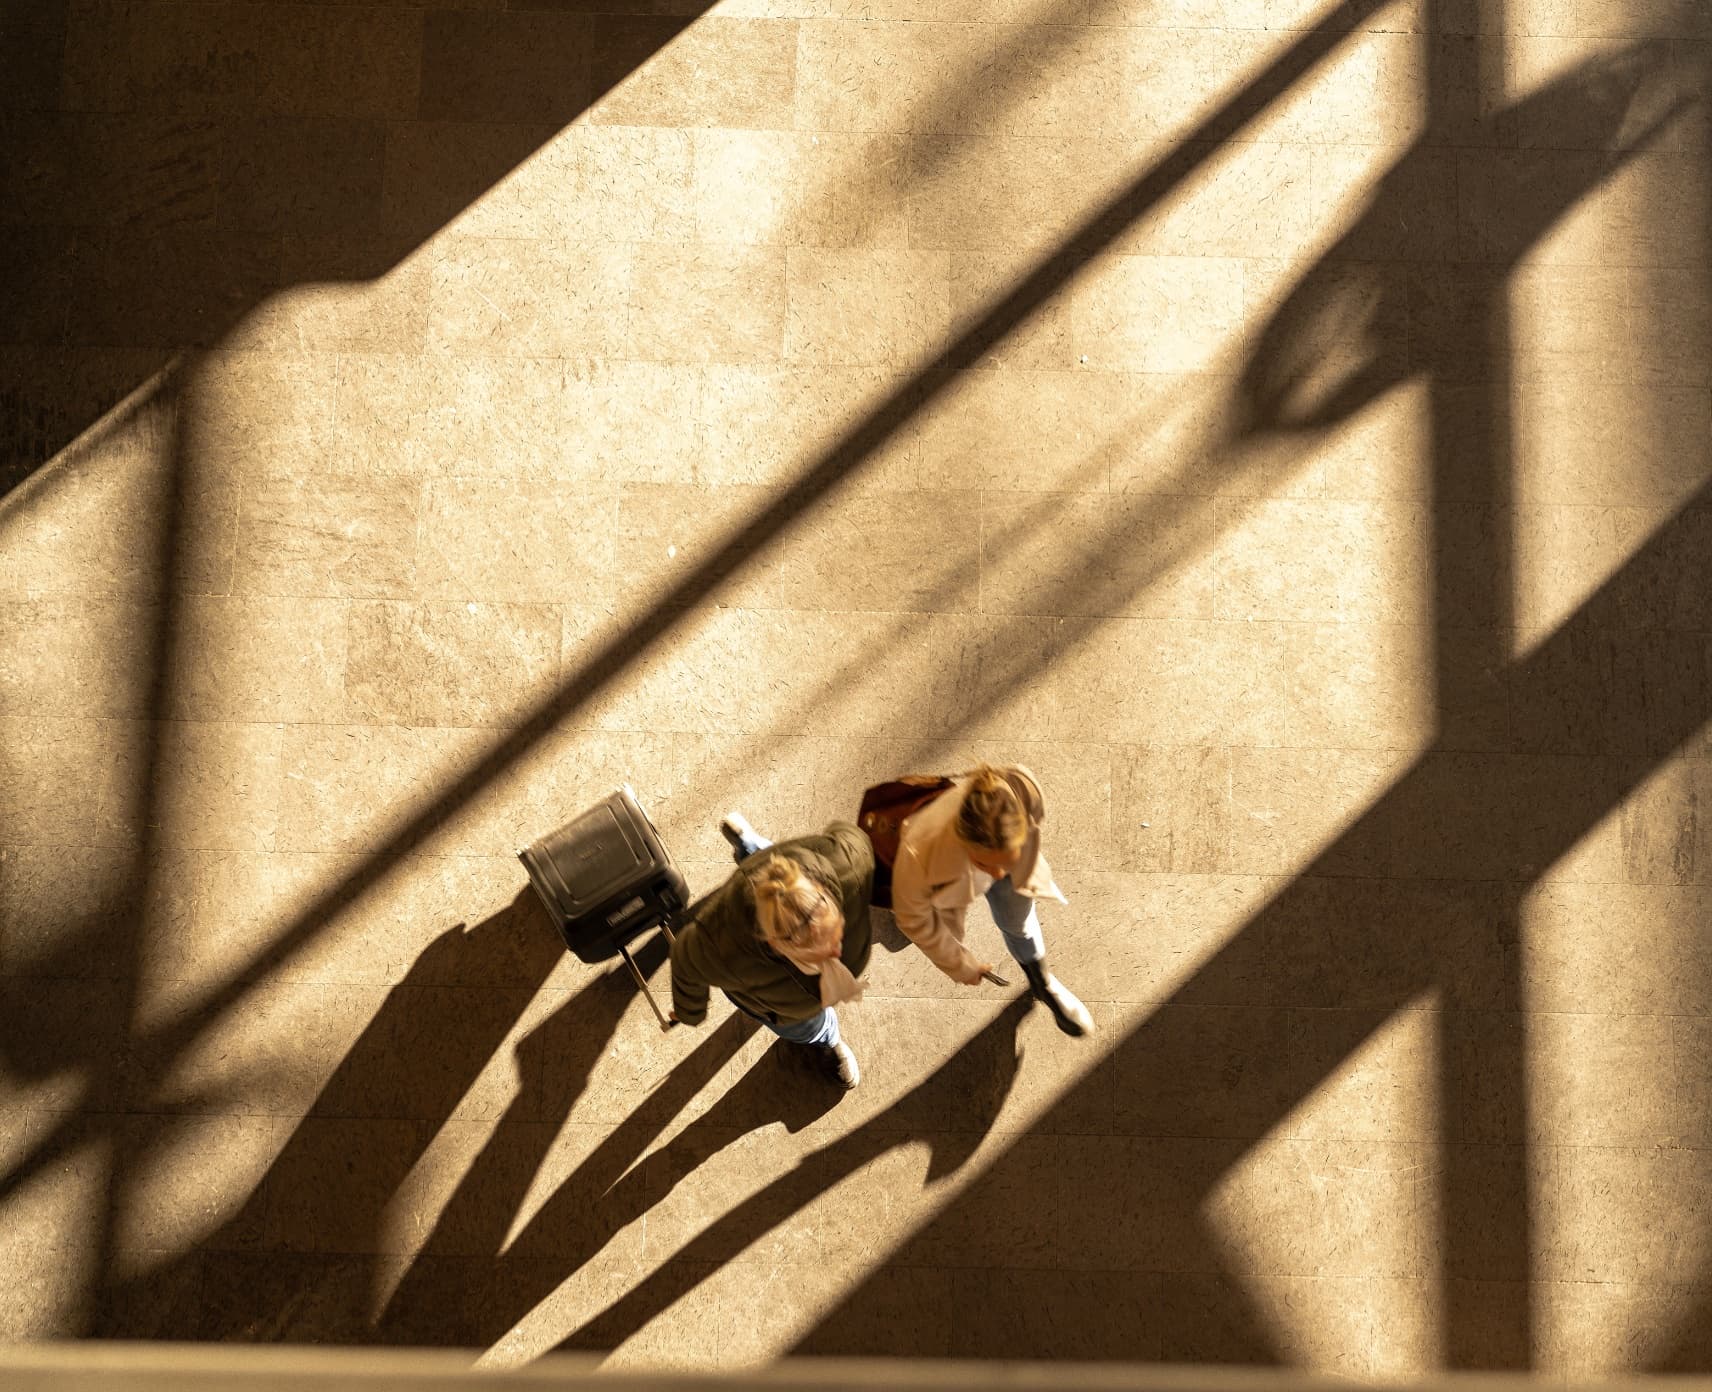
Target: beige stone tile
(257, 658)
(1358, 1075)
(815, 1310)
(355, 292)
(766, 425)
(187, 1178)
(1335, 943)
(1596, 1329)
(1366, 1217)
(869, 551)
(794, 188)
(607, 183)
(79, 657)
(1172, 809)
(1204, 1071)
(59, 393)
(716, 72)
(1146, 938)
(1571, 207)
(984, 287)
(449, 663)
(1249, 198)
(71, 782)
(1654, 965)
(1334, 1324)
(434, 920)
(70, 170)
(630, 423)
(1570, 321)
(273, 1056)
(1071, 1315)
(1029, 431)
(480, 178)
(47, 1246)
(531, 298)
(1593, 692)
(1324, 562)
(1163, 682)
(345, 62)
(1389, 209)
(853, 75)
(722, 304)
(265, 413)
(1156, 314)
(969, 1064)
(1149, 1223)
(1350, 685)
(882, 306)
(1291, 808)
(499, 540)
(398, 771)
(301, 174)
(798, 673)
(214, 786)
(1669, 327)
(1610, 1080)
(98, 523)
(1621, 1213)
(480, 1184)
(1024, 194)
(440, 414)
(629, 183)
(490, 68)
(60, 905)
(1173, 87)
(329, 536)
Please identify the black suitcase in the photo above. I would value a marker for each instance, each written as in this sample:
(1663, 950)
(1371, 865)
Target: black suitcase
(605, 878)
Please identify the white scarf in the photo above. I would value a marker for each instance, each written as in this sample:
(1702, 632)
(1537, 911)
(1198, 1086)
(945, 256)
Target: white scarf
(837, 984)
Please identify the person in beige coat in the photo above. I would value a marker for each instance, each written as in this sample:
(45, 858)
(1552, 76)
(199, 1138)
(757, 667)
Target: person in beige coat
(980, 838)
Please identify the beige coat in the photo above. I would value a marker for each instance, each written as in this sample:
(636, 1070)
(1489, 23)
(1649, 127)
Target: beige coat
(934, 881)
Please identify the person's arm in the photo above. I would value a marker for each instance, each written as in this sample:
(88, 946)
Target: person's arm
(689, 980)
(936, 930)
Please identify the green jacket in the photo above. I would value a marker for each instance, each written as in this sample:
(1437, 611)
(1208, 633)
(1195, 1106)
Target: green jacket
(720, 943)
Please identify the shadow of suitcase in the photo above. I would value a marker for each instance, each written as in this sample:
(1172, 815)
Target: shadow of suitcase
(605, 879)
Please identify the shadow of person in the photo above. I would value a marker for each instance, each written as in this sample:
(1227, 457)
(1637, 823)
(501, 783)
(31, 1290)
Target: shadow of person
(945, 1093)
(296, 1260)
(1354, 327)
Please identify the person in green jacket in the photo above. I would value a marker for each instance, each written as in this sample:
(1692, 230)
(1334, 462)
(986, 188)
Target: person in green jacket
(785, 938)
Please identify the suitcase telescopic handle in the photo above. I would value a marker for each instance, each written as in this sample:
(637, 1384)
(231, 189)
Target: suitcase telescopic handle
(642, 981)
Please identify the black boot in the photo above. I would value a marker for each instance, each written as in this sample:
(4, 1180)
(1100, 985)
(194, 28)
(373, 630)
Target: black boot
(1072, 1016)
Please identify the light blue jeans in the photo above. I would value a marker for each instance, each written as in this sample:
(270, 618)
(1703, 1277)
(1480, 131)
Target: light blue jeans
(1019, 923)
(820, 1028)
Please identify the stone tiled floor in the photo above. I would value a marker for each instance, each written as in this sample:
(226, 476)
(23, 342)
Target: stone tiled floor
(1285, 426)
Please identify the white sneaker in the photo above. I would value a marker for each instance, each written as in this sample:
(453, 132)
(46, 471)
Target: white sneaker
(841, 1063)
(736, 829)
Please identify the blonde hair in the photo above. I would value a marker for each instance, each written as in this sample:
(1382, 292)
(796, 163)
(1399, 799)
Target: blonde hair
(992, 815)
(794, 909)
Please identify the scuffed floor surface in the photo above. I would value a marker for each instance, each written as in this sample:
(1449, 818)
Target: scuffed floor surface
(1285, 427)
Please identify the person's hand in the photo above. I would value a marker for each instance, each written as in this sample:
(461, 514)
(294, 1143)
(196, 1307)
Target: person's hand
(969, 972)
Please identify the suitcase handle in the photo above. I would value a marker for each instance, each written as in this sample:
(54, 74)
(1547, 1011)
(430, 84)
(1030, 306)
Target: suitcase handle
(642, 981)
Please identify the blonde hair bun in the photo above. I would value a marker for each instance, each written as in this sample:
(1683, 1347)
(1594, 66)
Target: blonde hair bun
(992, 815)
(793, 909)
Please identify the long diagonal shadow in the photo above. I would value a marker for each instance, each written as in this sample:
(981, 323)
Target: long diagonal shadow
(154, 1050)
(1419, 895)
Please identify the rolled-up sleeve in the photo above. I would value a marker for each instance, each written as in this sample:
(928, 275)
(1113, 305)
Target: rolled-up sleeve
(936, 929)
